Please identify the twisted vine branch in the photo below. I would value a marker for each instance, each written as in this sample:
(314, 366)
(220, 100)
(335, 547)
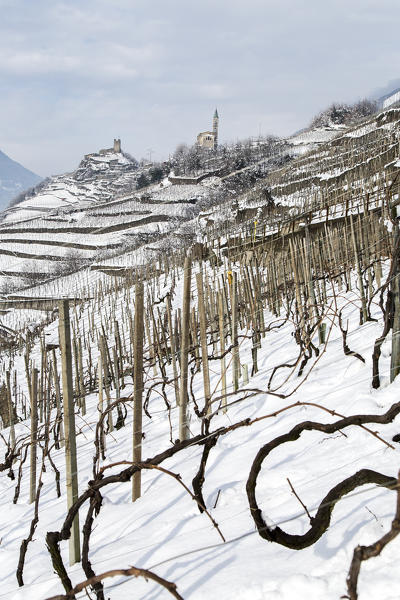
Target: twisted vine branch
(321, 521)
(131, 572)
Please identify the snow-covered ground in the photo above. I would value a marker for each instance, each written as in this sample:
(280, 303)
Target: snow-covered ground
(163, 531)
(310, 139)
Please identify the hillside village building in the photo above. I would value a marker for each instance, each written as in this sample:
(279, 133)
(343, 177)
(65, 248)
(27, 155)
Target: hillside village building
(209, 139)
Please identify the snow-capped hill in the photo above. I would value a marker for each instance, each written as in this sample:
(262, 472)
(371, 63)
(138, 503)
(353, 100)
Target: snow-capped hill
(107, 206)
(99, 177)
(14, 178)
(106, 163)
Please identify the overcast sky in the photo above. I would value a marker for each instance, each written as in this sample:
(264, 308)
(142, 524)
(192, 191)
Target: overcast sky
(76, 74)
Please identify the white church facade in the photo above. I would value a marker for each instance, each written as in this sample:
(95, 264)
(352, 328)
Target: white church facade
(209, 139)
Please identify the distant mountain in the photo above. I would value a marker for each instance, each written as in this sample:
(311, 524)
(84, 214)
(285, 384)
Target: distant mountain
(383, 92)
(14, 179)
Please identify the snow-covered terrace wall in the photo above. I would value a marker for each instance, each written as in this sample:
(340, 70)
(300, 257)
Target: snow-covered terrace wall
(392, 99)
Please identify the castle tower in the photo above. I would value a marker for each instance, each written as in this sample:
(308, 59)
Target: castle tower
(215, 128)
(117, 145)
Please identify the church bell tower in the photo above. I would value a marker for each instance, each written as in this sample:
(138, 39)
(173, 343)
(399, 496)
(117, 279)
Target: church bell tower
(215, 128)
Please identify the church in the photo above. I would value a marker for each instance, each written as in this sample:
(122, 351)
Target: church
(209, 139)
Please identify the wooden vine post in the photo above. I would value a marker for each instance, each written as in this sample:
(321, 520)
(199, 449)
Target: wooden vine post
(10, 411)
(105, 380)
(58, 399)
(395, 287)
(235, 340)
(203, 341)
(100, 404)
(311, 292)
(69, 426)
(363, 312)
(221, 325)
(138, 387)
(82, 399)
(34, 424)
(184, 432)
(173, 349)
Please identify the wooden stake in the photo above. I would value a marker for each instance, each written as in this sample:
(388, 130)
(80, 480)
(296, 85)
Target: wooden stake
(104, 362)
(184, 432)
(58, 398)
(138, 387)
(203, 341)
(34, 424)
(82, 401)
(69, 426)
(222, 347)
(364, 313)
(173, 349)
(100, 405)
(10, 411)
(395, 287)
(235, 341)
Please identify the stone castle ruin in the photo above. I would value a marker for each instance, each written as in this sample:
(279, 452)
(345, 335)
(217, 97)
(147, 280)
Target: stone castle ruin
(116, 147)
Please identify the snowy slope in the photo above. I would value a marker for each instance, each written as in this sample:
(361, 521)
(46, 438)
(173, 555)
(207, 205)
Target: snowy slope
(164, 531)
(92, 213)
(311, 138)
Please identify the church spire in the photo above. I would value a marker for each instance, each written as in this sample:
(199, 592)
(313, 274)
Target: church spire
(215, 128)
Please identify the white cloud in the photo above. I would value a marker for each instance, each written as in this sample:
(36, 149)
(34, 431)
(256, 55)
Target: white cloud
(73, 74)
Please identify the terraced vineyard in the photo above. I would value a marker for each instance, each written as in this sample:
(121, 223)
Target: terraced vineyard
(217, 397)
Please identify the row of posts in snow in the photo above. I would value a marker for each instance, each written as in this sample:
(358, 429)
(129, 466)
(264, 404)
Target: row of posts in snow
(293, 266)
(348, 163)
(134, 326)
